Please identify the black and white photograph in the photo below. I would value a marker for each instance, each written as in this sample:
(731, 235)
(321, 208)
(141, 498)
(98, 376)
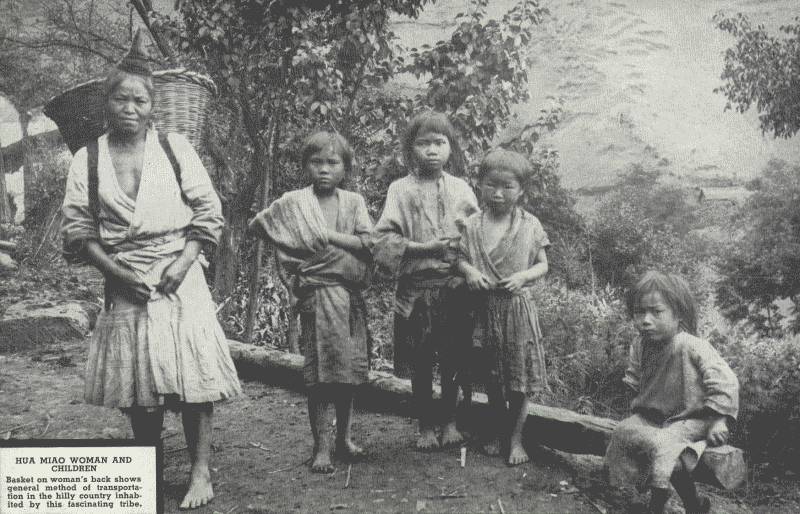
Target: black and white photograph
(399, 256)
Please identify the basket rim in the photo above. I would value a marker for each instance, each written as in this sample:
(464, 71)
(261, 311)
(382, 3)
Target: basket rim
(200, 78)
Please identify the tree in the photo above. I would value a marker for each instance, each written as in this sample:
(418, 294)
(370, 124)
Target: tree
(764, 265)
(763, 70)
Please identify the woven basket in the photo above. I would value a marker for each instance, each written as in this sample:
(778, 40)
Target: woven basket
(181, 104)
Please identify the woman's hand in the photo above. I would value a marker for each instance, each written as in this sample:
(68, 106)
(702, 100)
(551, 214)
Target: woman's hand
(476, 280)
(128, 284)
(173, 275)
(718, 432)
(514, 282)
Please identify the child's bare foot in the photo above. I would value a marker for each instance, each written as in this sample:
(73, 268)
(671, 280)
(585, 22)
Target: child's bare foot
(492, 447)
(321, 462)
(349, 451)
(451, 436)
(427, 440)
(517, 454)
(200, 491)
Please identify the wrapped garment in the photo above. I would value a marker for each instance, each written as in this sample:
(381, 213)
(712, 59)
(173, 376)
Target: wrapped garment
(327, 281)
(506, 324)
(682, 385)
(171, 348)
(427, 310)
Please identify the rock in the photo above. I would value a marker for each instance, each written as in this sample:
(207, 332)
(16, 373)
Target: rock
(29, 323)
(7, 264)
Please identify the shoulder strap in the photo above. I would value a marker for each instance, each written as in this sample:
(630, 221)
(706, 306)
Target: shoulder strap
(176, 167)
(92, 180)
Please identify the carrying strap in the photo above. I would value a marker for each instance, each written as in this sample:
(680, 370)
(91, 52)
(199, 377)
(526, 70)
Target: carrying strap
(93, 183)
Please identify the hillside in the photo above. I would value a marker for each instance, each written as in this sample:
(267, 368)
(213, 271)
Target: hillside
(637, 80)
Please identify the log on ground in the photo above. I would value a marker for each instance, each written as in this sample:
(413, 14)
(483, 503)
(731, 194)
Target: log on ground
(556, 428)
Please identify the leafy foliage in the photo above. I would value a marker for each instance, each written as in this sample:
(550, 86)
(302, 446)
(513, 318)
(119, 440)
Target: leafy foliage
(763, 70)
(764, 266)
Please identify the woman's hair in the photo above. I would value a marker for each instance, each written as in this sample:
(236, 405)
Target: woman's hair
(115, 78)
(506, 160)
(322, 139)
(676, 294)
(434, 122)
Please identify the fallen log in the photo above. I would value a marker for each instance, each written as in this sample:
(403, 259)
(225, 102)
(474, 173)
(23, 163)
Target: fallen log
(556, 428)
(7, 246)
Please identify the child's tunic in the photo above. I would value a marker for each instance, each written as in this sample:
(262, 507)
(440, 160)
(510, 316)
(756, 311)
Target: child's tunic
(507, 324)
(327, 281)
(172, 347)
(424, 305)
(677, 383)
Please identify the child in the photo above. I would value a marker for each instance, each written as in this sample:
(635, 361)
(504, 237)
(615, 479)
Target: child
(416, 238)
(686, 394)
(504, 252)
(321, 236)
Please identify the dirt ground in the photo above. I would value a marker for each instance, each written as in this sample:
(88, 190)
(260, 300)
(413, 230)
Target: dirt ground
(262, 443)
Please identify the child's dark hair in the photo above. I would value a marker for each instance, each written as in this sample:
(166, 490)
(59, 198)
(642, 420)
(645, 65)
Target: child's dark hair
(674, 290)
(435, 122)
(322, 139)
(506, 160)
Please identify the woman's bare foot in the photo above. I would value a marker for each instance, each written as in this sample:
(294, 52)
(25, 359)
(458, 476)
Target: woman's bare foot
(492, 447)
(451, 436)
(427, 440)
(321, 461)
(200, 491)
(349, 451)
(517, 454)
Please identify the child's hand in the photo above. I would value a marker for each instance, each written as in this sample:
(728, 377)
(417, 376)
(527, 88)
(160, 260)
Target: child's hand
(477, 281)
(718, 432)
(437, 247)
(514, 282)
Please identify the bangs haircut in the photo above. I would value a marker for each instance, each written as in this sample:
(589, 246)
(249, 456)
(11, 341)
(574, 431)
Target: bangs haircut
(432, 122)
(322, 140)
(676, 294)
(117, 76)
(506, 160)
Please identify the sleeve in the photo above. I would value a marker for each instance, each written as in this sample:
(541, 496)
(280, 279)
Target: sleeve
(77, 225)
(363, 224)
(633, 373)
(720, 385)
(207, 221)
(464, 242)
(388, 241)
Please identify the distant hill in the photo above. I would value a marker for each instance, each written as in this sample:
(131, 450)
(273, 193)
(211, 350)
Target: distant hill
(637, 80)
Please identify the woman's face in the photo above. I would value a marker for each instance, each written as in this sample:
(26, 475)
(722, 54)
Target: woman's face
(129, 107)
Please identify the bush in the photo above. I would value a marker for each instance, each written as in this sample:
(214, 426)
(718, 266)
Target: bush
(769, 378)
(586, 340)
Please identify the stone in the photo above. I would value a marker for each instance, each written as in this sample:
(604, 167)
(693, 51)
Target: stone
(31, 323)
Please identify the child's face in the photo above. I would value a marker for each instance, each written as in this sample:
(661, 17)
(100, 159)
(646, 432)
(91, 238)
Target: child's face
(431, 152)
(655, 320)
(326, 169)
(500, 190)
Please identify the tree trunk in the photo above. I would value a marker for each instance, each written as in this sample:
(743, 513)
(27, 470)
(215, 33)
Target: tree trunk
(255, 274)
(28, 170)
(5, 208)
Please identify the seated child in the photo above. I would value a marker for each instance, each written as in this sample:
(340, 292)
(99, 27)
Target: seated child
(416, 240)
(321, 235)
(503, 250)
(686, 395)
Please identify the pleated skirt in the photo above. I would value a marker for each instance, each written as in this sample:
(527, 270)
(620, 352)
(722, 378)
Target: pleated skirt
(171, 350)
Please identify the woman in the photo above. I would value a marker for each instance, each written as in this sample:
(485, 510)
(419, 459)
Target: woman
(157, 343)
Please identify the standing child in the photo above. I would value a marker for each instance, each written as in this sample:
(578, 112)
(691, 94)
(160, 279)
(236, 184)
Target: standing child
(686, 394)
(415, 240)
(504, 253)
(321, 234)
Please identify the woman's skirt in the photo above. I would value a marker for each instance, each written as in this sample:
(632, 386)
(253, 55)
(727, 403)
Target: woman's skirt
(171, 349)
